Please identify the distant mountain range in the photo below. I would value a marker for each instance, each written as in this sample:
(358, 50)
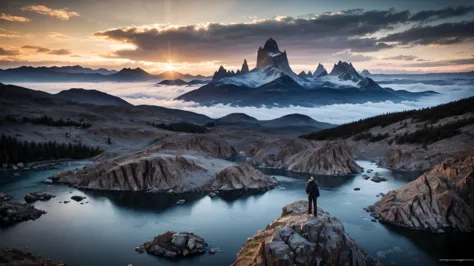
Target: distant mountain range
(81, 74)
(11, 95)
(273, 83)
(180, 82)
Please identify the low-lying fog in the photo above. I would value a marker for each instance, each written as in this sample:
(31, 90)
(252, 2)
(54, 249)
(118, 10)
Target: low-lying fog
(146, 93)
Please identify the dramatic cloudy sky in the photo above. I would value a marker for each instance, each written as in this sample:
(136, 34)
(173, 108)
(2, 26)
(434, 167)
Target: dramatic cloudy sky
(196, 36)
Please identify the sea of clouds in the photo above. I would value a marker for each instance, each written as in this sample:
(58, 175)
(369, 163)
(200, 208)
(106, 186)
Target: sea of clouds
(148, 93)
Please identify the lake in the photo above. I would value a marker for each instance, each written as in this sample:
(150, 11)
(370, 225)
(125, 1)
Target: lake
(106, 230)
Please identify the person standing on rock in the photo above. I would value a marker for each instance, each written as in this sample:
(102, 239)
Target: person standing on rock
(312, 190)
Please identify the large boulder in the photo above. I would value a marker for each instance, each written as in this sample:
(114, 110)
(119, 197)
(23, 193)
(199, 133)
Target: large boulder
(297, 238)
(204, 144)
(440, 198)
(12, 212)
(242, 177)
(16, 257)
(172, 244)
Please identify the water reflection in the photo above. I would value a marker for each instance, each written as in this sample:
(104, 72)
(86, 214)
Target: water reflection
(106, 230)
(324, 181)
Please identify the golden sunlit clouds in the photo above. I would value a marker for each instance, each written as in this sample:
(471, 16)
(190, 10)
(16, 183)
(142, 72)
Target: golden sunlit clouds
(59, 36)
(11, 18)
(63, 14)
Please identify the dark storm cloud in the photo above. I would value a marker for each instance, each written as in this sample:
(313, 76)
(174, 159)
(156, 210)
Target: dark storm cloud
(449, 12)
(332, 32)
(455, 62)
(329, 32)
(4, 52)
(402, 57)
(442, 34)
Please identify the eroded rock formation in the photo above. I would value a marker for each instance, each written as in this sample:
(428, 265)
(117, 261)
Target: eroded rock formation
(159, 172)
(172, 244)
(276, 153)
(397, 158)
(298, 155)
(155, 172)
(297, 238)
(441, 198)
(242, 176)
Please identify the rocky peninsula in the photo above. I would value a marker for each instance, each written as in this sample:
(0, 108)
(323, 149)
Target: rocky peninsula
(297, 238)
(439, 199)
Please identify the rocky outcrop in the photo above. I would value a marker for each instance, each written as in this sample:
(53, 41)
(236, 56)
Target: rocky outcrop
(167, 173)
(297, 238)
(148, 172)
(172, 245)
(274, 154)
(397, 158)
(299, 155)
(205, 144)
(334, 158)
(16, 257)
(242, 177)
(12, 212)
(441, 198)
(35, 196)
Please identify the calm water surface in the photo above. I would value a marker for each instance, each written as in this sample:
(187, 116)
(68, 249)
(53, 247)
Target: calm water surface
(107, 229)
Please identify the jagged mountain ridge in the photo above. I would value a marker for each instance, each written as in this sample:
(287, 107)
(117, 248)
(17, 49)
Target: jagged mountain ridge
(273, 83)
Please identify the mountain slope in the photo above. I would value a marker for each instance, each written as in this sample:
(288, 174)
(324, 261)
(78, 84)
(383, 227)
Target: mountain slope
(91, 97)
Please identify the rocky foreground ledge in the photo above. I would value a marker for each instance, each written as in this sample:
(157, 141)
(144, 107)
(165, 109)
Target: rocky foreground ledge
(16, 257)
(298, 155)
(12, 212)
(441, 198)
(297, 238)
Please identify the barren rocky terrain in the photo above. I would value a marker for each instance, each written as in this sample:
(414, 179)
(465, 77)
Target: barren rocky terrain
(296, 238)
(442, 198)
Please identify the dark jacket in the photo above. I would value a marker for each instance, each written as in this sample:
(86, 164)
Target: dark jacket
(312, 189)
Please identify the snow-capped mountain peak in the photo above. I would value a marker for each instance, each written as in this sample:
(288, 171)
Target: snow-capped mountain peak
(320, 71)
(345, 71)
(365, 73)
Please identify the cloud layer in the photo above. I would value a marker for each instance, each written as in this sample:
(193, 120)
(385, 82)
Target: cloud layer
(147, 93)
(353, 30)
(12, 18)
(39, 49)
(63, 14)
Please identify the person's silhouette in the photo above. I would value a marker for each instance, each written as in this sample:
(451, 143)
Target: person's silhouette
(312, 190)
